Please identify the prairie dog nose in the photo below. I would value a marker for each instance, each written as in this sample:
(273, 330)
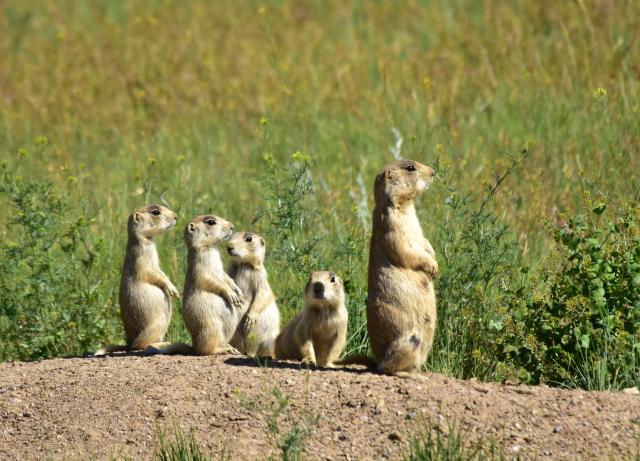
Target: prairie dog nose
(318, 289)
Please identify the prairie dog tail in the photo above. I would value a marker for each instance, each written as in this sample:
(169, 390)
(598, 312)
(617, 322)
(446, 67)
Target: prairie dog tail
(402, 355)
(358, 359)
(110, 349)
(155, 348)
(170, 348)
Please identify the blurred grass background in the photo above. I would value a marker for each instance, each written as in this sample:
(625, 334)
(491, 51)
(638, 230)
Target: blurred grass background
(122, 103)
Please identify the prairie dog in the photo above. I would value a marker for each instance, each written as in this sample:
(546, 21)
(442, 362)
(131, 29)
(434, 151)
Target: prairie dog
(259, 318)
(212, 300)
(145, 291)
(401, 303)
(318, 333)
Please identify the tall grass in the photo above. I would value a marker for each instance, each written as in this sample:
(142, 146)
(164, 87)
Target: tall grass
(220, 106)
(181, 447)
(431, 443)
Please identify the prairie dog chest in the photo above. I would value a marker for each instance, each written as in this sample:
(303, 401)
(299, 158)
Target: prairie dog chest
(146, 257)
(247, 279)
(325, 323)
(406, 224)
(210, 263)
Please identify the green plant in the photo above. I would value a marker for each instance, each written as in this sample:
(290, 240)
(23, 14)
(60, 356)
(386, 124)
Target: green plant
(432, 444)
(299, 244)
(586, 325)
(480, 264)
(180, 447)
(290, 217)
(54, 299)
(287, 428)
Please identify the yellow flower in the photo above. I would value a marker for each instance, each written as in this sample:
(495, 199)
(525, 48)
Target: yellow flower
(264, 121)
(600, 93)
(299, 156)
(151, 161)
(427, 83)
(268, 158)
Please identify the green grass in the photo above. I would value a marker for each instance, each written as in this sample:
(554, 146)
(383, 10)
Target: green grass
(431, 443)
(107, 105)
(286, 427)
(181, 447)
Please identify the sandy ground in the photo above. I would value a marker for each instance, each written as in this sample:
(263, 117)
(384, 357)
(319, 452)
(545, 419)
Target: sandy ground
(105, 407)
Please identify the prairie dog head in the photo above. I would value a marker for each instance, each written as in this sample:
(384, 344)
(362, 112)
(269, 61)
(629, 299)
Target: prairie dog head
(400, 182)
(247, 248)
(206, 231)
(150, 220)
(324, 289)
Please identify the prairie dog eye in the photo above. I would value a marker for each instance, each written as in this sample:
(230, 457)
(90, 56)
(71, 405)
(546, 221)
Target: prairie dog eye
(211, 222)
(155, 212)
(249, 239)
(410, 168)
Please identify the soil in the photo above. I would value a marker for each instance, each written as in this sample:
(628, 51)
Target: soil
(113, 406)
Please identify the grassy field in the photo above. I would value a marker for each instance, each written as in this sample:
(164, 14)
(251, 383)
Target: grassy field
(277, 116)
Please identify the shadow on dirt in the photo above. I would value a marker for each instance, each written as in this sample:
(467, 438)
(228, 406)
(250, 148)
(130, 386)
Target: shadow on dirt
(284, 365)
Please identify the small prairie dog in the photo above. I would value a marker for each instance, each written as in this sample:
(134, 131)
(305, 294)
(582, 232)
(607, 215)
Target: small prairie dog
(212, 300)
(401, 303)
(145, 291)
(260, 318)
(318, 333)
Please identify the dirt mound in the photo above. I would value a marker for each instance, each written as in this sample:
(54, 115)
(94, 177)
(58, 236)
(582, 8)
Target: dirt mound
(101, 407)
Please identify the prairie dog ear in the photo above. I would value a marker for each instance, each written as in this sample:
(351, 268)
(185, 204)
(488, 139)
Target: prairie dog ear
(262, 241)
(191, 228)
(137, 217)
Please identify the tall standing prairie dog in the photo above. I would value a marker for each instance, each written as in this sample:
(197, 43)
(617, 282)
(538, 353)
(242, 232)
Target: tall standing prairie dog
(145, 291)
(260, 318)
(212, 300)
(318, 333)
(401, 303)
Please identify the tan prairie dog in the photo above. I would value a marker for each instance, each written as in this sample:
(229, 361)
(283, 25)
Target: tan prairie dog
(401, 303)
(212, 300)
(318, 333)
(145, 291)
(260, 318)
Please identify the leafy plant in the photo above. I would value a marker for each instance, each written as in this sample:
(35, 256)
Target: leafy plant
(299, 243)
(479, 273)
(586, 326)
(53, 299)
